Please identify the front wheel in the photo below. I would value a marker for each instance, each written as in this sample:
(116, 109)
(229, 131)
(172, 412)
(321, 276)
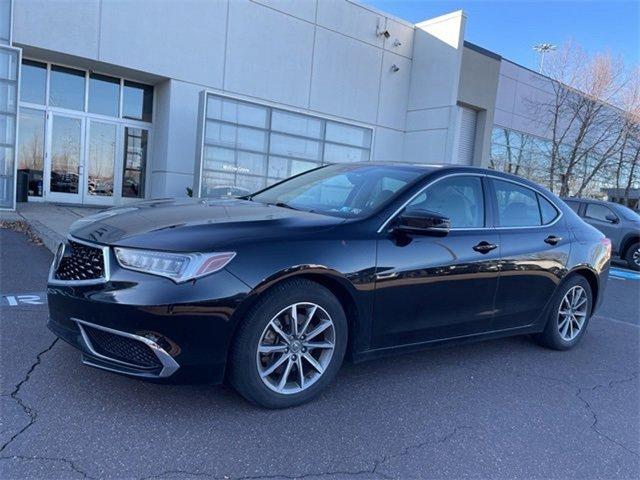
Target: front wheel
(633, 257)
(289, 346)
(569, 315)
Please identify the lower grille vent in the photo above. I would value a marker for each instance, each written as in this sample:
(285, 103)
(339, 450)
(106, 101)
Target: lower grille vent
(122, 348)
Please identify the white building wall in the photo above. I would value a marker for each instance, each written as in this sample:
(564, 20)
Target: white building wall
(520, 92)
(321, 57)
(432, 104)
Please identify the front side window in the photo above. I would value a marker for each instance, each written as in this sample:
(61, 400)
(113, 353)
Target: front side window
(458, 198)
(517, 205)
(348, 191)
(600, 212)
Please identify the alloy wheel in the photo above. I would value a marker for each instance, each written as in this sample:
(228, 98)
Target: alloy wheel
(636, 257)
(572, 313)
(295, 348)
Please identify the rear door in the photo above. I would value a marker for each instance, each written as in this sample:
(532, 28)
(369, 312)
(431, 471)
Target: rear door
(605, 220)
(534, 250)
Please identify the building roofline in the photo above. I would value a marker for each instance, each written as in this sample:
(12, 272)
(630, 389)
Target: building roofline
(483, 51)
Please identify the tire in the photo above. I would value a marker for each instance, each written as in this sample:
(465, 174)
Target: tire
(317, 309)
(561, 335)
(633, 257)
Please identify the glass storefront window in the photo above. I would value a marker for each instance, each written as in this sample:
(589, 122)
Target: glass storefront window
(137, 101)
(9, 58)
(7, 96)
(31, 148)
(101, 159)
(348, 134)
(135, 161)
(104, 95)
(33, 82)
(66, 88)
(238, 135)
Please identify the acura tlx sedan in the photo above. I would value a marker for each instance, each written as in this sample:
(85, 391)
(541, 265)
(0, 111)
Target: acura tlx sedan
(271, 291)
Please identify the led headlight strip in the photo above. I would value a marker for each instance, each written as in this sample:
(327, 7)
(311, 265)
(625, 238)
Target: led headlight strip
(179, 267)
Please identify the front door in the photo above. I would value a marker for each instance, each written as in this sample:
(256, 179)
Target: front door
(64, 166)
(432, 288)
(93, 161)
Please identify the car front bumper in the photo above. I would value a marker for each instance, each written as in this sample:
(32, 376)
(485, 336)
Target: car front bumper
(147, 326)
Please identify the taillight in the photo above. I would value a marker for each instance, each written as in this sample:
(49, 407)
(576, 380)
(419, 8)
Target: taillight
(607, 244)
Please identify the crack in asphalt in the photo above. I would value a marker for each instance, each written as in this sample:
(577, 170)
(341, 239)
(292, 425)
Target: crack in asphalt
(29, 411)
(587, 405)
(71, 464)
(373, 471)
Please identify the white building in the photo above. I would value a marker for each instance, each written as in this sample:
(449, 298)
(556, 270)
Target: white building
(144, 99)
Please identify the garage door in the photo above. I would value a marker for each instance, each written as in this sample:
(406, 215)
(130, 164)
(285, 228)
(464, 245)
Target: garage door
(467, 136)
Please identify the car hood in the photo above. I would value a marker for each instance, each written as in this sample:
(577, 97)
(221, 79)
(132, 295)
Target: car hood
(195, 224)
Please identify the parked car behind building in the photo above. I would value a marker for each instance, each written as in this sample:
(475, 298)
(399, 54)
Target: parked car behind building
(619, 223)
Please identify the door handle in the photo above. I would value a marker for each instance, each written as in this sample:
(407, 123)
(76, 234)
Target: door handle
(485, 247)
(552, 240)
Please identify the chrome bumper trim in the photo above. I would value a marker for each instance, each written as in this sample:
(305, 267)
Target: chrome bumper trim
(169, 365)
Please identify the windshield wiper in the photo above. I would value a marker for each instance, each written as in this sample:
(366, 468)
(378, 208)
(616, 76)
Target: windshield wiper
(283, 205)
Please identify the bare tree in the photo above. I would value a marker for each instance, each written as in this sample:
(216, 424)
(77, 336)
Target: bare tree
(586, 125)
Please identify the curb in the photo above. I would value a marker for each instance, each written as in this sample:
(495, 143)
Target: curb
(50, 238)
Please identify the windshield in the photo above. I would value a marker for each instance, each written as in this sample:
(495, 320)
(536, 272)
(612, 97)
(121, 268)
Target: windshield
(348, 191)
(627, 213)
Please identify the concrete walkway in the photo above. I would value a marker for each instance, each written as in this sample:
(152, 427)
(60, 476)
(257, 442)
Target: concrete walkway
(49, 221)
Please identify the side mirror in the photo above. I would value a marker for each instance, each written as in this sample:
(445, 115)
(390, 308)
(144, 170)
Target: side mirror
(611, 218)
(423, 222)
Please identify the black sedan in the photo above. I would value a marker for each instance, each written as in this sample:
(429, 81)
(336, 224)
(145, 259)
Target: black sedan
(273, 290)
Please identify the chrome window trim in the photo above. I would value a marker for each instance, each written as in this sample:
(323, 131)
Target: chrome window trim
(481, 175)
(94, 281)
(169, 365)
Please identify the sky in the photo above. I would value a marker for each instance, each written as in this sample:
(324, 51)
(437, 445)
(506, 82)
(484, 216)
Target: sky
(511, 28)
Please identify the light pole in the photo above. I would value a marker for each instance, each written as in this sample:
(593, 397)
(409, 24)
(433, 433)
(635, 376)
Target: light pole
(542, 49)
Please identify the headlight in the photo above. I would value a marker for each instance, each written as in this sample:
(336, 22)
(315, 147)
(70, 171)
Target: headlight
(179, 267)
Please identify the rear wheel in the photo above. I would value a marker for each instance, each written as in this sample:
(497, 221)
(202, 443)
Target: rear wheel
(569, 315)
(290, 345)
(633, 256)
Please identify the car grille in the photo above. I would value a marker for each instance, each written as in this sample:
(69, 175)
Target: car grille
(82, 263)
(121, 348)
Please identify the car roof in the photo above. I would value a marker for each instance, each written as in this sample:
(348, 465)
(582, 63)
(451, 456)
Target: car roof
(428, 168)
(589, 200)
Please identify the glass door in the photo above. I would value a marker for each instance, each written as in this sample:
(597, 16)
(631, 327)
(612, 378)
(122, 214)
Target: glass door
(64, 166)
(101, 162)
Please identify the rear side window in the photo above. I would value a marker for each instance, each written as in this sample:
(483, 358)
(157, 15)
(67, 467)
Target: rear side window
(575, 206)
(599, 212)
(547, 211)
(517, 206)
(459, 198)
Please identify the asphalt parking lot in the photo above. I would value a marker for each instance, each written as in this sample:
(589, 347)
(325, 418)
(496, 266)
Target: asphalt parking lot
(500, 409)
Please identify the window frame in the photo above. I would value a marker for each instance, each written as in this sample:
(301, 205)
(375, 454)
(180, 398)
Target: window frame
(490, 206)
